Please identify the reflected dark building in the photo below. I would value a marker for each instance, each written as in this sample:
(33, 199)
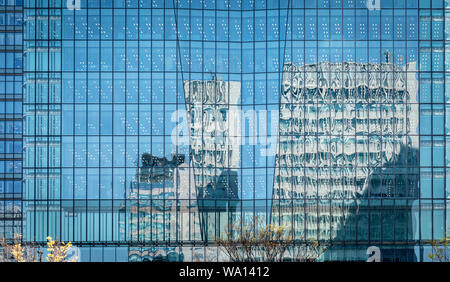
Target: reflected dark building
(162, 210)
(383, 215)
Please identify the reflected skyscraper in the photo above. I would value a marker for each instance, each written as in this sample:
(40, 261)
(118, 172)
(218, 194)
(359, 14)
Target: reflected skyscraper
(163, 210)
(214, 136)
(345, 131)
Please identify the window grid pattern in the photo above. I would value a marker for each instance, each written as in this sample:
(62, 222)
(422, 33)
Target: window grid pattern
(106, 83)
(10, 118)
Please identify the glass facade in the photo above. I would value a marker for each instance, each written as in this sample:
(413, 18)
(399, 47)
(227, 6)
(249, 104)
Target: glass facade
(11, 46)
(346, 166)
(150, 126)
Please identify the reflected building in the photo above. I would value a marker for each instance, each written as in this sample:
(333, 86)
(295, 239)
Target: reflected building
(214, 130)
(162, 210)
(345, 141)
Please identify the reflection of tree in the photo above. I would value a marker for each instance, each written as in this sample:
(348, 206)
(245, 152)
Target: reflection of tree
(17, 251)
(260, 242)
(382, 214)
(440, 251)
